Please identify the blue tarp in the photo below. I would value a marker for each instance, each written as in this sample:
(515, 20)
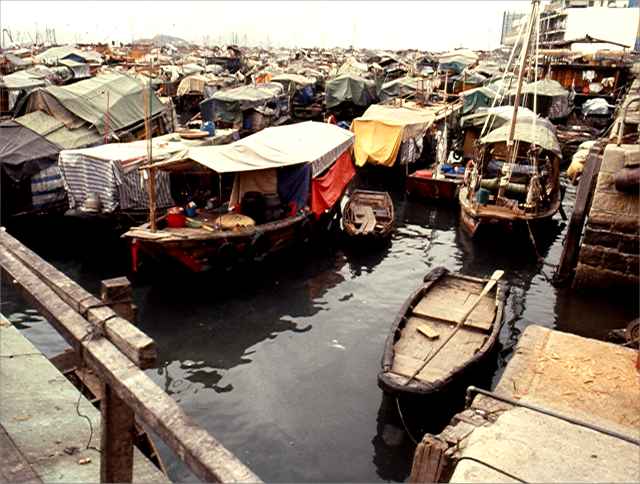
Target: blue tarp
(294, 183)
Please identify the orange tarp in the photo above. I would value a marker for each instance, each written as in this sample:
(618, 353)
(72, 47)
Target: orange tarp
(327, 189)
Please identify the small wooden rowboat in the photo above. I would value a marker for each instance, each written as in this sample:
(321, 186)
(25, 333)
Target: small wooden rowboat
(368, 214)
(425, 322)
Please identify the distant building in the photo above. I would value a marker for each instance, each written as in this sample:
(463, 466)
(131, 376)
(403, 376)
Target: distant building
(615, 23)
(511, 22)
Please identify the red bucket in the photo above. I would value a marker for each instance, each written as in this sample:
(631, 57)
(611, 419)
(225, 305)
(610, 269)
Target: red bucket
(176, 217)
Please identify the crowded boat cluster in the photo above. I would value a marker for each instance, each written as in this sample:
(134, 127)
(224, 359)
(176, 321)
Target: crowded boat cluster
(205, 158)
(211, 155)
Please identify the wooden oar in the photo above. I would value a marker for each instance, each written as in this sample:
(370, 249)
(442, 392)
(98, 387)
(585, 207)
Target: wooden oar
(488, 286)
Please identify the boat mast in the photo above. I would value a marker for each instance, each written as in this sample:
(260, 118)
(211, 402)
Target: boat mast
(523, 59)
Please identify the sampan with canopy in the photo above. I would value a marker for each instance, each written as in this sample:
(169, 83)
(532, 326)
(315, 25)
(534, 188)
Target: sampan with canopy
(299, 172)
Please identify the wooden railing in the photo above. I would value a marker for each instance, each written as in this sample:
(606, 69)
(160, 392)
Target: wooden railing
(117, 352)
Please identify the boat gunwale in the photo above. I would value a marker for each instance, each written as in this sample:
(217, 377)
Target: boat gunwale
(176, 238)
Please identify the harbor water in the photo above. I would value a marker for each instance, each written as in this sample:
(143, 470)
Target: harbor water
(279, 360)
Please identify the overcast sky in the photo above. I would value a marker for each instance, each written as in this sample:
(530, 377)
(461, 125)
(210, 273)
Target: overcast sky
(429, 25)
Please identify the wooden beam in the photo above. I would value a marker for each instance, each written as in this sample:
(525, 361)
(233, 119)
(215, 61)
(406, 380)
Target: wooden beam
(571, 246)
(136, 345)
(204, 455)
(116, 449)
(118, 295)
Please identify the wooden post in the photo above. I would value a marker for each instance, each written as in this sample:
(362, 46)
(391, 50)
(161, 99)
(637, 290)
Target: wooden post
(571, 246)
(429, 460)
(116, 458)
(118, 295)
(152, 198)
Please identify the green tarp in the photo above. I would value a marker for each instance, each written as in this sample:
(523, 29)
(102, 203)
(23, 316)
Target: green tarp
(403, 87)
(116, 96)
(56, 132)
(348, 88)
(227, 105)
(480, 97)
(539, 135)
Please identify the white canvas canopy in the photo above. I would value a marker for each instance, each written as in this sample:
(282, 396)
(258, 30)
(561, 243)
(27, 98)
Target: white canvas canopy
(310, 142)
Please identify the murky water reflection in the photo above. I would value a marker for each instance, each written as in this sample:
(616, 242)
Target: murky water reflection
(279, 361)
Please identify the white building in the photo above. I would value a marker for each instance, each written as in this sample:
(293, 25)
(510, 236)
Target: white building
(612, 21)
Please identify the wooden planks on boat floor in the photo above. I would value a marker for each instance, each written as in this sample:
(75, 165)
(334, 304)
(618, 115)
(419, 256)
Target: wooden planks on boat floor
(411, 349)
(449, 301)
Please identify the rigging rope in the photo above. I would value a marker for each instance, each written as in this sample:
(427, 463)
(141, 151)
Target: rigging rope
(502, 90)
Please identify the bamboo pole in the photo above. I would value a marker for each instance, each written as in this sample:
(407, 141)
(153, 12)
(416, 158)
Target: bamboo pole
(525, 51)
(152, 171)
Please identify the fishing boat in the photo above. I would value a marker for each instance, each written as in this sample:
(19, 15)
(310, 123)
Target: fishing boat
(368, 214)
(449, 324)
(427, 185)
(286, 185)
(514, 178)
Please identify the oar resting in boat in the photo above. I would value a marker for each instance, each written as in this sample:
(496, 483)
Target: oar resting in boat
(490, 284)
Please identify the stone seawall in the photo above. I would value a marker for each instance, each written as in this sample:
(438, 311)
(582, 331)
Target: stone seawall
(610, 250)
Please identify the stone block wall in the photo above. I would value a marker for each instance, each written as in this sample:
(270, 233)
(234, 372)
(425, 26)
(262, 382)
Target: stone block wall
(610, 249)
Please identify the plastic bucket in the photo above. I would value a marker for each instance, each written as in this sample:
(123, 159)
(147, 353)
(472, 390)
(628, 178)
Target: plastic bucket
(176, 218)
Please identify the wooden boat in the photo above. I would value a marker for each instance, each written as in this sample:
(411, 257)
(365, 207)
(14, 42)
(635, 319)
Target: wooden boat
(261, 222)
(368, 214)
(426, 319)
(515, 177)
(422, 185)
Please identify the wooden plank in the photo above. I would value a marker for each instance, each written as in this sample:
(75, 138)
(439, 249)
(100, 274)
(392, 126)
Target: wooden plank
(411, 349)
(427, 331)
(449, 304)
(130, 340)
(13, 465)
(571, 246)
(116, 456)
(206, 457)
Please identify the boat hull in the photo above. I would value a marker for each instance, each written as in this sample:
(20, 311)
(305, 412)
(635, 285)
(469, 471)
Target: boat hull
(475, 217)
(445, 190)
(201, 252)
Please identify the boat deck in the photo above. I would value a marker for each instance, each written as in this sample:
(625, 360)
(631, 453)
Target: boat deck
(432, 320)
(42, 437)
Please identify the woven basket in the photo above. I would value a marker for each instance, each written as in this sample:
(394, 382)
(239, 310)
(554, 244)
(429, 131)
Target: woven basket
(230, 221)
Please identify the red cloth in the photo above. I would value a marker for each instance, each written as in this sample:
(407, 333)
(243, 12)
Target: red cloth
(327, 189)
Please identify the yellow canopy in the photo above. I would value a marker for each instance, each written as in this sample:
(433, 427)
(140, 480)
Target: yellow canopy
(382, 128)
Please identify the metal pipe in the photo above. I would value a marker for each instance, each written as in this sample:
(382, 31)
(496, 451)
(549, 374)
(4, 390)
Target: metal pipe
(551, 413)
